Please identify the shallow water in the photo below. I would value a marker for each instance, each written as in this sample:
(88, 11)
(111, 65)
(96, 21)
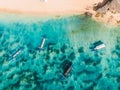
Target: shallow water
(68, 38)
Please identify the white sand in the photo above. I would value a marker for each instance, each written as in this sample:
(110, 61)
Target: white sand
(54, 7)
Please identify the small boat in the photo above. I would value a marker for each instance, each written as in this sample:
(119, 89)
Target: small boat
(41, 47)
(98, 45)
(67, 69)
(16, 53)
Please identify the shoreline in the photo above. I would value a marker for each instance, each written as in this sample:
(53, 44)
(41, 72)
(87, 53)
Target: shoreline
(51, 7)
(61, 9)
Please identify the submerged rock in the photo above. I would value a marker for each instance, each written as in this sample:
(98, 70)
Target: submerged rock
(81, 50)
(88, 61)
(118, 39)
(56, 51)
(63, 48)
(71, 56)
(63, 57)
(45, 68)
(70, 88)
(47, 57)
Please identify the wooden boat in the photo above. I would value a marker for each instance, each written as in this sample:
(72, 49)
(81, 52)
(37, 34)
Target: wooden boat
(16, 52)
(67, 69)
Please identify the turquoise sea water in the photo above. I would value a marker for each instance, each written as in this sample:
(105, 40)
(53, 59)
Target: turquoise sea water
(68, 38)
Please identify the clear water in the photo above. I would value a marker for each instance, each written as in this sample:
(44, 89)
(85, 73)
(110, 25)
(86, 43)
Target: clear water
(68, 38)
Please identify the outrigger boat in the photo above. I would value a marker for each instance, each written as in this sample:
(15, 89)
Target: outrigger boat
(41, 47)
(67, 69)
(16, 53)
(99, 45)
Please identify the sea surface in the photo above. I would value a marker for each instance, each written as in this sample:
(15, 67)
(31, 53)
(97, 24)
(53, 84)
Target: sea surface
(67, 39)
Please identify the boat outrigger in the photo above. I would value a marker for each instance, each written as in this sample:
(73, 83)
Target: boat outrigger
(16, 53)
(41, 47)
(67, 69)
(98, 45)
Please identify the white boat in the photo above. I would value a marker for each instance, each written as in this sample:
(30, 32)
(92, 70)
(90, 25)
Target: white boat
(98, 45)
(41, 47)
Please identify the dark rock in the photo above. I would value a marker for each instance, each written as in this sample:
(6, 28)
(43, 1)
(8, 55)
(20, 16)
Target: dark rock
(88, 61)
(47, 57)
(119, 87)
(63, 57)
(99, 77)
(10, 76)
(118, 39)
(32, 51)
(71, 56)
(50, 44)
(88, 14)
(63, 48)
(54, 58)
(100, 5)
(56, 51)
(28, 86)
(50, 47)
(45, 67)
(118, 79)
(70, 88)
(81, 50)
(1, 60)
(117, 47)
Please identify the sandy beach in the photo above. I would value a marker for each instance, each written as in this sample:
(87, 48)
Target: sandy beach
(54, 7)
(62, 7)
